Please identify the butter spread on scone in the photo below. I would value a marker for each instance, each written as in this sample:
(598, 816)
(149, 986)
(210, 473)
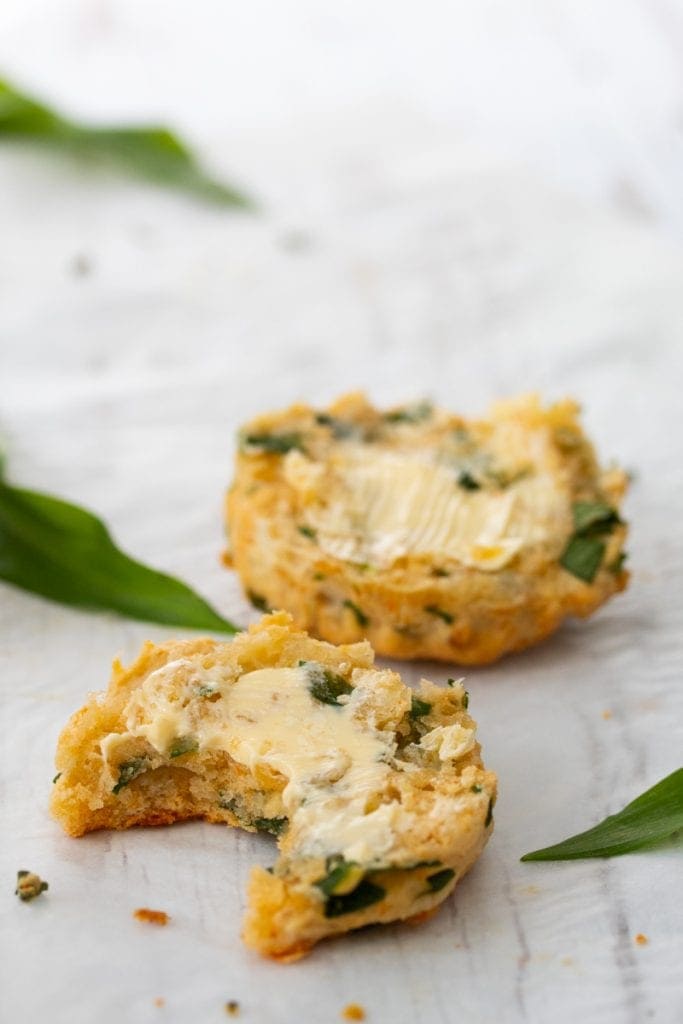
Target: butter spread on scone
(430, 535)
(376, 792)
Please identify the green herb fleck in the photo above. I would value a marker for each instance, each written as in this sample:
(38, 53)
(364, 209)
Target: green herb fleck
(364, 895)
(206, 691)
(129, 770)
(419, 708)
(342, 876)
(652, 817)
(276, 826)
(410, 414)
(467, 481)
(150, 152)
(582, 557)
(307, 531)
(465, 700)
(617, 565)
(489, 814)
(57, 776)
(439, 613)
(340, 429)
(272, 444)
(439, 879)
(319, 576)
(476, 788)
(183, 745)
(360, 616)
(325, 685)
(258, 601)
(439, 572)
(594, 516)
(29, 885)
(584, 552)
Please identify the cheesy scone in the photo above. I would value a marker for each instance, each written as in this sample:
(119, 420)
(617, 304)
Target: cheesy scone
(429, 535)
(376, 793)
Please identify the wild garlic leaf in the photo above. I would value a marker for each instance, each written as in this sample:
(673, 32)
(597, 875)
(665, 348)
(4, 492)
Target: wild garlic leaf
(65, 553)
(651, 817)
(150, 152)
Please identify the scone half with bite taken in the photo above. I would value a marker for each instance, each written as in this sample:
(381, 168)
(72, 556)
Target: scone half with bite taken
(376, 793)
(428, 534)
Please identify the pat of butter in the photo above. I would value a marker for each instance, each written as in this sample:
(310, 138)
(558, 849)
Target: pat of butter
(334, 766)
(378, 506)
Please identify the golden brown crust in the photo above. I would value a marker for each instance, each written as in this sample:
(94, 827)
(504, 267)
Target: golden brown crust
(440, 802)
(416, 607)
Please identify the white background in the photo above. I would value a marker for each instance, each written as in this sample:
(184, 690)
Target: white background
(462, 201)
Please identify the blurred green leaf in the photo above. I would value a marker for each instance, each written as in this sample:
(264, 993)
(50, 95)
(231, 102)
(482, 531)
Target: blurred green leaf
(51, 547)
(150, 152)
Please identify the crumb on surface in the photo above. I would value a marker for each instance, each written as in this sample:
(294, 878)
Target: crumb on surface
(607, 714)
(159, 1001)
(641, 940)
(354, 1011)
(29, 885)
(159, 917)
(232, 1007)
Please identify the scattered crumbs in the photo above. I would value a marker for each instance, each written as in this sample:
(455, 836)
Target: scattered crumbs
(531, 890)
(295, 240)
(354, 1011)
(607, 714)
(159, 1001)
(567, 961)
(81, 265)
(159, 917)
(29, 885)
(641, 940)
(232, 1008)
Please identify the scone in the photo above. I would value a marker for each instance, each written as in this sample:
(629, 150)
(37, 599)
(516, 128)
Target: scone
(429, 535)
(377, 793)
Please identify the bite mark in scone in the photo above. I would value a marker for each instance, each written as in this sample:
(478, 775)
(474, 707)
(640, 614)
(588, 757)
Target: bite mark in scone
(429, 535)
(376, 793)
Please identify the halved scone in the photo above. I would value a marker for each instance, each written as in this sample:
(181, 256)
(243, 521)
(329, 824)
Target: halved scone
(429, 535)
(376, 792)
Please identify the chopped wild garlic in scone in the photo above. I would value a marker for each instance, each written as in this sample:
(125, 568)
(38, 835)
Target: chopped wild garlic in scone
(377, 794)
(430, 535)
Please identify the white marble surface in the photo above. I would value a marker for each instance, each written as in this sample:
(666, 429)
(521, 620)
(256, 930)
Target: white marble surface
(403, 247)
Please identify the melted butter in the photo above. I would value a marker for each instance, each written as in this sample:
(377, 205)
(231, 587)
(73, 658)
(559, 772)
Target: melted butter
(333, 762)
(378, 506)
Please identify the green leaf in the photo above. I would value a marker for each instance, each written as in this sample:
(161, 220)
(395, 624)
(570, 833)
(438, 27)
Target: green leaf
(655, 815)
(150, 152)
(419, 708)
(582, 557)
(66, 553)
(325, 685)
